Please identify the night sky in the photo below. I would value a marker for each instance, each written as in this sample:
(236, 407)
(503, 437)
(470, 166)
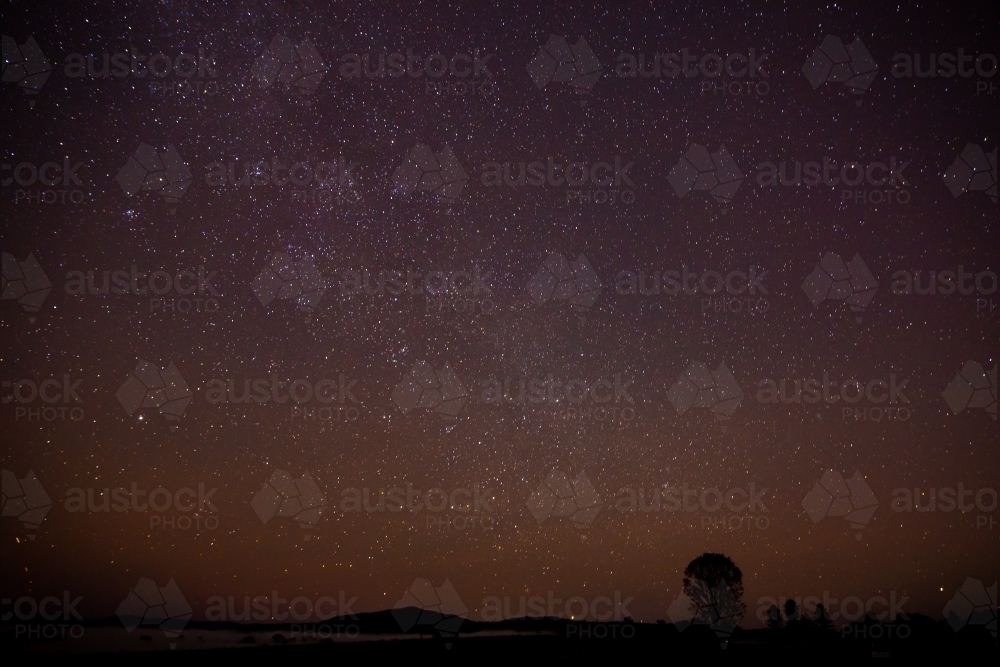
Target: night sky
(269, 250)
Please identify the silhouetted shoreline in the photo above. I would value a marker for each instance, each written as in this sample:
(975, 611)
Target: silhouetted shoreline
(377, 635)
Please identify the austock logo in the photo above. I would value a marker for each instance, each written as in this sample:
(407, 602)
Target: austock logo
(325, 400)
(149, 605)
(701, 603)
(27, 176)
(701, 171)
(562, 398)
(881, 182)
(310, 181)
(184, 509)
(559, 62)
(851, 283)
(983, 284)
(438, 391)
(851, 609)
(574, 608)
(24, 282)
(50, 392)
(973, 605)
(426, 171)
(446, 292)
(25, 65)
(947, 66)
(560, 496)
(699, 387)
(427, 607)
(559, 279)
(861, 400)
(834, 496)
(457, 75)
(301, 66)
(583, 182)
(35, 619)
(735, 509)
(576, 499)
(600, 399)
(183, 74)
(286, 279)
(833, 62)
(947, 499)
(284, 496)
(974, 170)
(273, 607)
(151, 387)
(459, 509)
(732, 70)
(194, 290)
(722, 292)
(973, 387)
(24, 499)
(148, 169)
(298, 66)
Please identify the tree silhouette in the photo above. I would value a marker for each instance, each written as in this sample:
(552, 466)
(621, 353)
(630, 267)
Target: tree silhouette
(714, 585)
(774, 619)
(821, 620)
(712, 569)
(791, 613)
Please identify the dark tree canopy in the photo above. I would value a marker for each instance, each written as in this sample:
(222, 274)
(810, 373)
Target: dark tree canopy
(714, 568)
(715, 585)
(821, 619)
(775, 620)
(791, 610)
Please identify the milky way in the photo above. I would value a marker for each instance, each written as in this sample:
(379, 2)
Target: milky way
(624, 284)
